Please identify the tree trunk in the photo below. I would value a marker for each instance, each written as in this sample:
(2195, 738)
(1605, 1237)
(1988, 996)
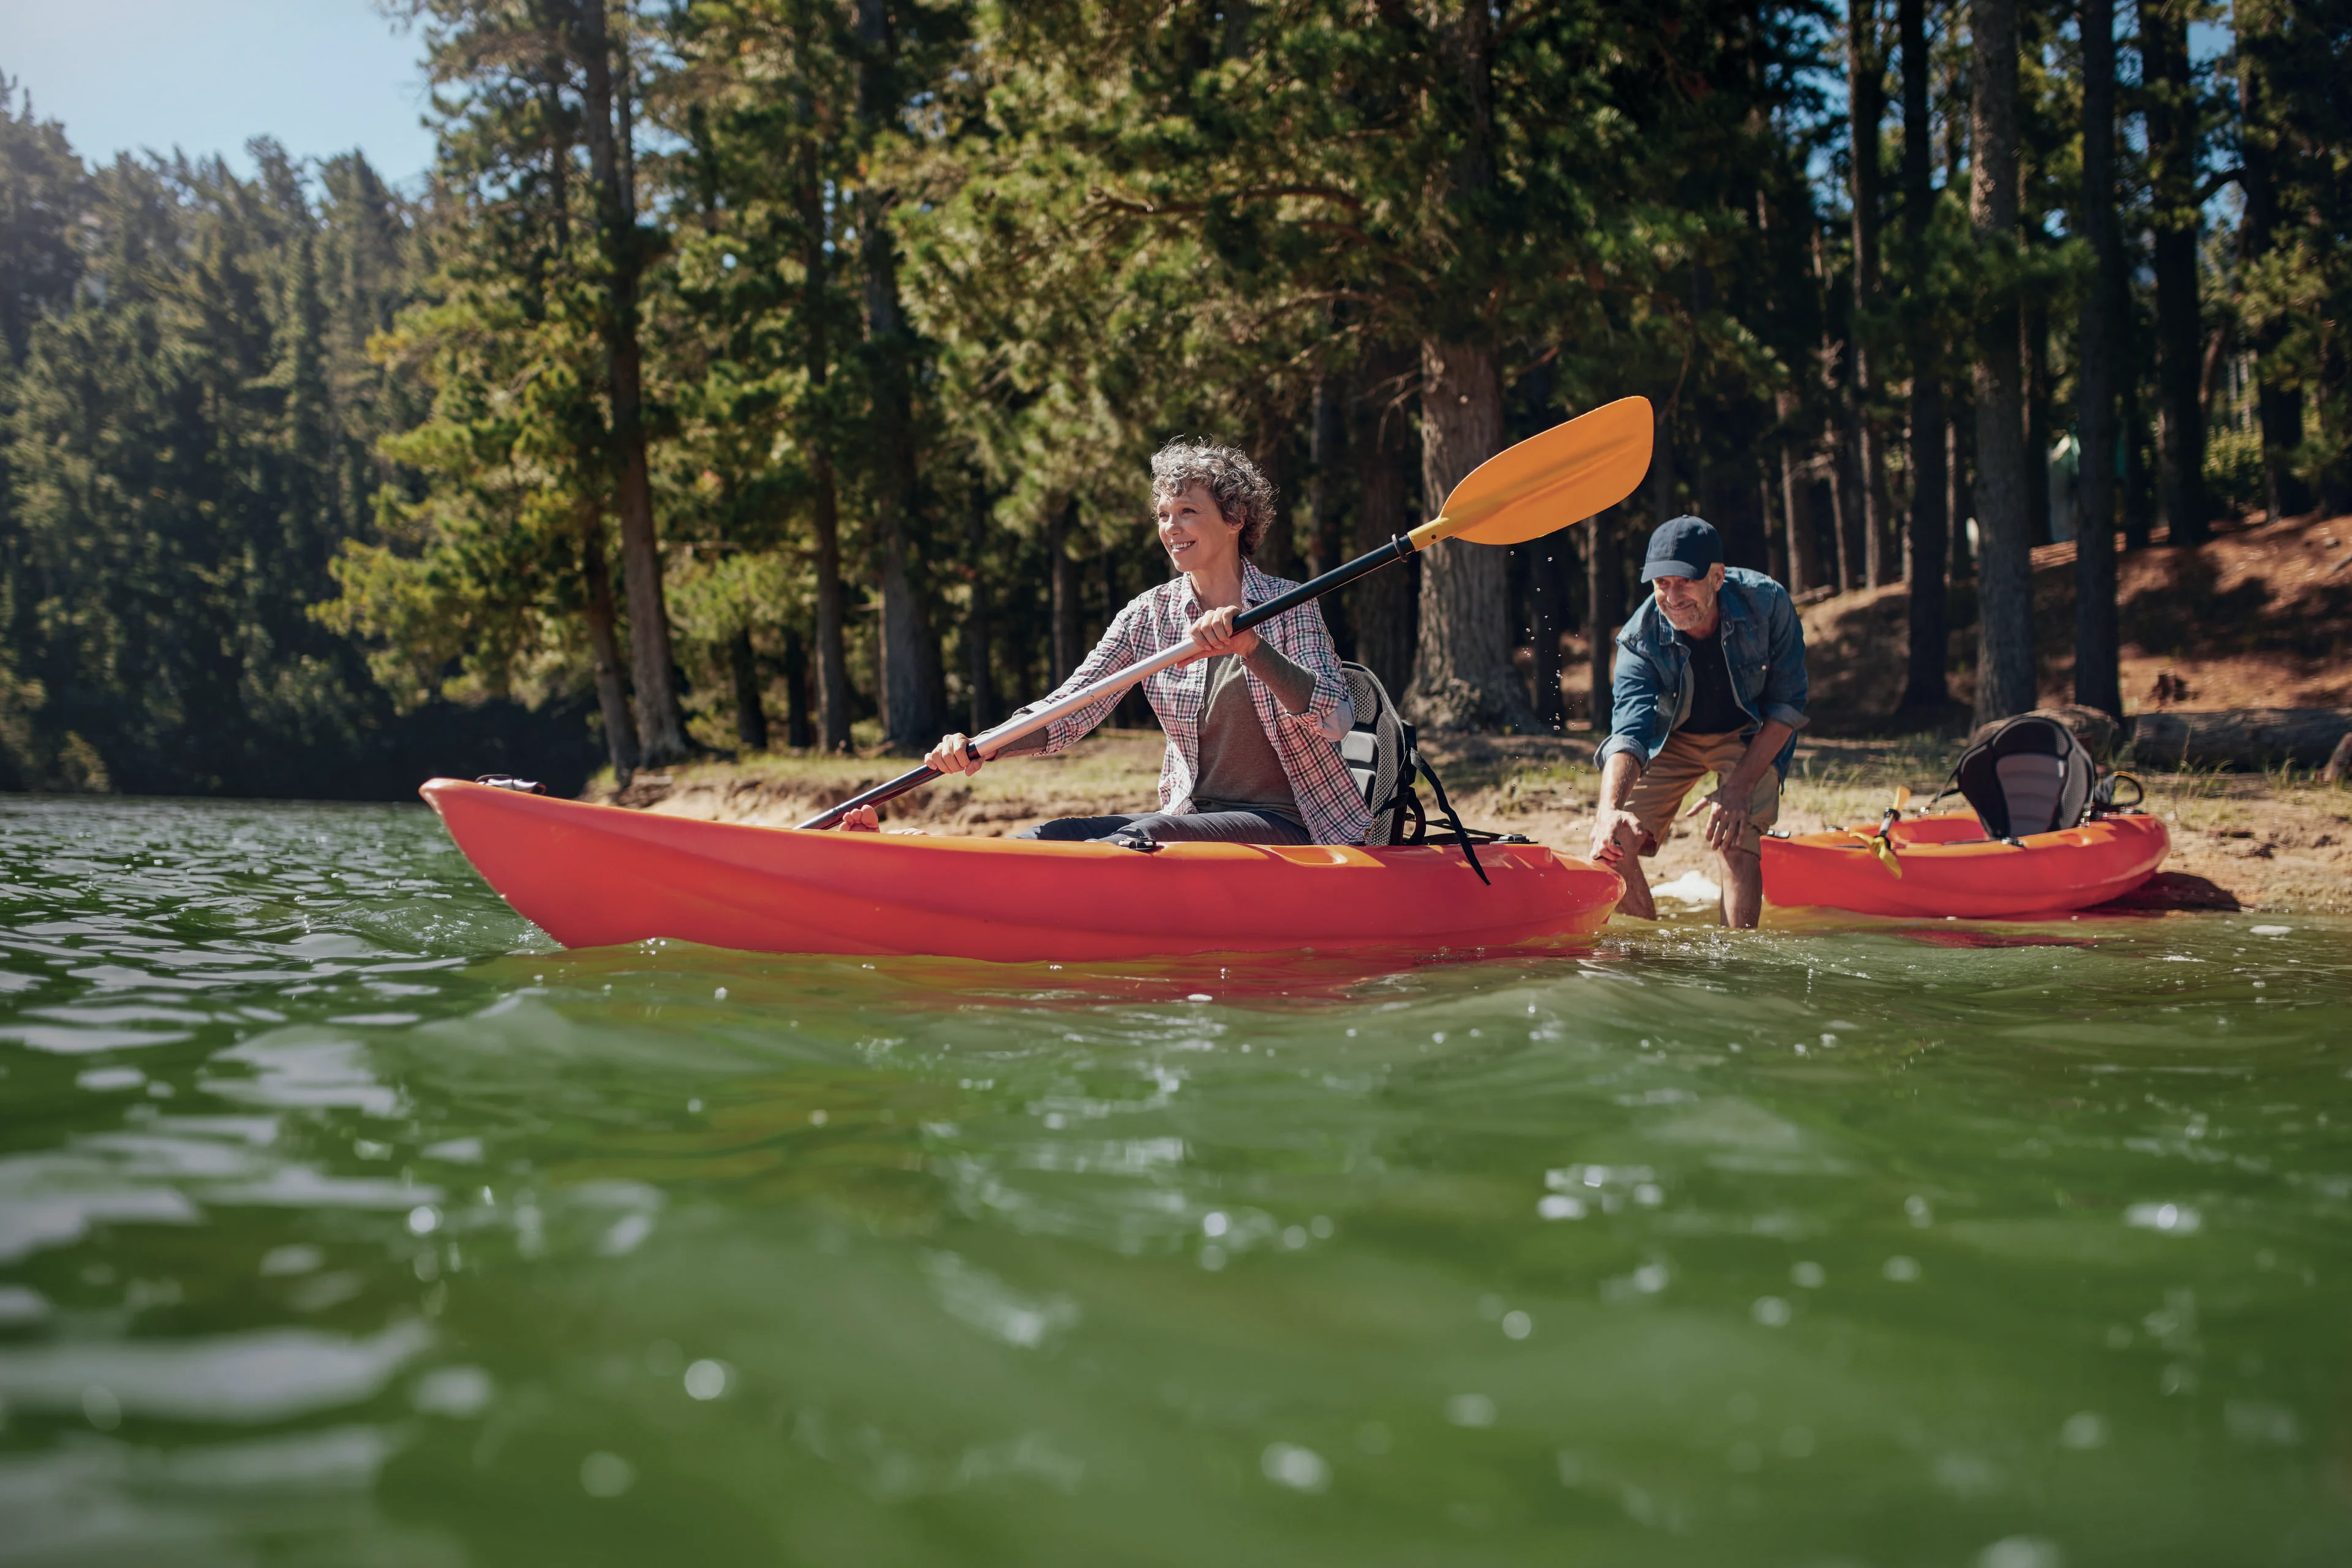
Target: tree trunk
(2172, 139)
(978, 685)
(751, 711)
(2034, 359)
(1845, 514)
(1463, 678)
(1960, 491)
(1547, 613)
(832, 645)
(1927, 649)
(605, 648)
(799, 733)
(2139, 489)
(2239, 737)
(909, 659)
(1604, 601)
(1797, 506)
(661, 726)
(1277, 552)
(2097, 680)
(1062, 580)
(1866, 109)
(1327, 452)
(1382, 605)
(2005, 672)
(2279, 408)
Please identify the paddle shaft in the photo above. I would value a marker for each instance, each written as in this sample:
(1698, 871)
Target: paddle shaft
(989, 744)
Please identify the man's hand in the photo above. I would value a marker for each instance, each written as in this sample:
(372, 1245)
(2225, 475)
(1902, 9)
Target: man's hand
(1616, 834)
(1726, 810)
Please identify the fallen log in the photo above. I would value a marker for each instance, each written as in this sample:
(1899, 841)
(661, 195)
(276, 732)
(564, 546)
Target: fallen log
(2238, 737)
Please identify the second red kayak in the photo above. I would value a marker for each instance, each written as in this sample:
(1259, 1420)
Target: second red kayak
(1946, 865)
(594, 875)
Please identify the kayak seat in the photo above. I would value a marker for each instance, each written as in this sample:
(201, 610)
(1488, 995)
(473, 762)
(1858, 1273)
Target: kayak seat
(1383, 759)
(2030, 775)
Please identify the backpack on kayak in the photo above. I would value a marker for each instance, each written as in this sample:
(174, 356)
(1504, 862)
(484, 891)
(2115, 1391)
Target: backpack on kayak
(2030, 775)
(1383, 758)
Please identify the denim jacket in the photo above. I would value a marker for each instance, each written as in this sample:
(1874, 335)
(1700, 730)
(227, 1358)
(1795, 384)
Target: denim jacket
(1764, 642)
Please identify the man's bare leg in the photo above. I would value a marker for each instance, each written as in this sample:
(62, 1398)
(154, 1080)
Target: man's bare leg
(1637, 901)
(1743, 889)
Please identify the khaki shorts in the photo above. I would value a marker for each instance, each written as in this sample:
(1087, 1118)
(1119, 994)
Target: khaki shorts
(1665, 786)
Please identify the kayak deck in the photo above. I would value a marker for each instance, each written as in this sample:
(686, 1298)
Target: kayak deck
(591, 876)
(1950, 867)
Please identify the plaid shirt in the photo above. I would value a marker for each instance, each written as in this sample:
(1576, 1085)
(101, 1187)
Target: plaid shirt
(1307, 743)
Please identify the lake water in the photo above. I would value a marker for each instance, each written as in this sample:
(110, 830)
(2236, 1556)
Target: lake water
(343, 1220)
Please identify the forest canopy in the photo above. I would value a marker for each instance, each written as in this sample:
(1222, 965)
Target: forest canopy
(751, 373)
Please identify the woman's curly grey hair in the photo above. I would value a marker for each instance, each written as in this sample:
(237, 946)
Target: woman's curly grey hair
(1241, 491)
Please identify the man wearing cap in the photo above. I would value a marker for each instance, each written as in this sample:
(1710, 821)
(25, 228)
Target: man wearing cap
(1710, 679)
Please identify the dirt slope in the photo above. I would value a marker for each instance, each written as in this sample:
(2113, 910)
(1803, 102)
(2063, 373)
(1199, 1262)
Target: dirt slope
(2259, 618)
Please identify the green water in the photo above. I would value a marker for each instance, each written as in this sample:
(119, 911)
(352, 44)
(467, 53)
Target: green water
(343, 1220)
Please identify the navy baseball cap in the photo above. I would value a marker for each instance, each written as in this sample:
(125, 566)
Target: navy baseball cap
(1682, 547)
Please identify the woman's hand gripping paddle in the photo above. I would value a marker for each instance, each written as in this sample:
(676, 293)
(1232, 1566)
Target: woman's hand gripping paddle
(1545, 482)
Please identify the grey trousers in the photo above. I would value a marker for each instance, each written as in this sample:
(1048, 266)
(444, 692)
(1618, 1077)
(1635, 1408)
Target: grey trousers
(1174, 828)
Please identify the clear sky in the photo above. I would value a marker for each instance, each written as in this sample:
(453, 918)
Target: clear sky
(321, 76)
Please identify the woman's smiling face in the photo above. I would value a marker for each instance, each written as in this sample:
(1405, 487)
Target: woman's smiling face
(1194, 532)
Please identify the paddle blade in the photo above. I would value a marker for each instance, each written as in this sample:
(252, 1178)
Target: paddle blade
(1547, 481)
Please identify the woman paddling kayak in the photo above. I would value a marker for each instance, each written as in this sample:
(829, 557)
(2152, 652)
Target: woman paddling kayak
(1254, 721)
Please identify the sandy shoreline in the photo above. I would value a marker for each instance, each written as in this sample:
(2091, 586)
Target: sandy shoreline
(2239, 840)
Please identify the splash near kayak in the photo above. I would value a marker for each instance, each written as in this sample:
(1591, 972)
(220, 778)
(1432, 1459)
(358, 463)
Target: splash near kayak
(592, 876)
(1948, 865)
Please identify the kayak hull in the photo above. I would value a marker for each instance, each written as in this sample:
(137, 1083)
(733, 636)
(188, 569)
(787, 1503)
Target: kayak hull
(592, 876)
(1950, 867)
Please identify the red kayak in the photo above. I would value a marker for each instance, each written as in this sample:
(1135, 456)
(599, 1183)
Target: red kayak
(594, 875)
(1946, 865)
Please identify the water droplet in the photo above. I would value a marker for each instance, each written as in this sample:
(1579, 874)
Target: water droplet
(1300, 1470)
(604, 1475)
(100, 1408)
(424, 1220)
(1808, 1275)
(706, 1380)
(1214, 1223)
(2022, 1551)
(816, 1119)
(1518, 1325)
(1771, 1311)
(1559, 1205)
(1213, 1257)
(2083, 1429)
(1470, 1410)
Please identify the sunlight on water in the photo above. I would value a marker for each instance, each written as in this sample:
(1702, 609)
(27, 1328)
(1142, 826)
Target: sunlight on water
(342, 1218)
